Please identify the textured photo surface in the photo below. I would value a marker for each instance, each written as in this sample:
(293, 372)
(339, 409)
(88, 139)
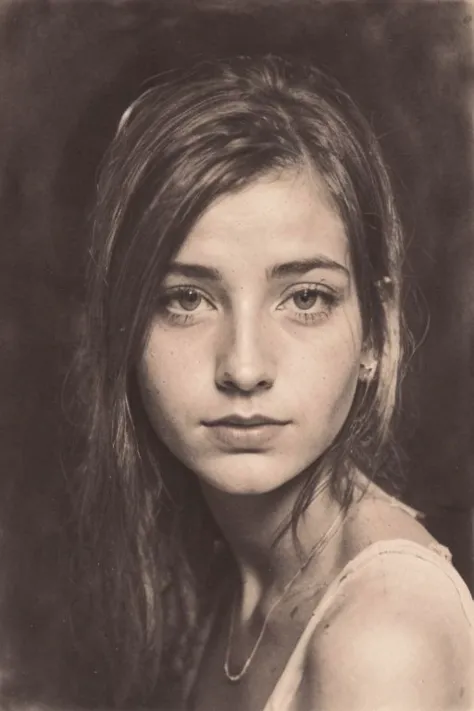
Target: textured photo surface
(68, 70)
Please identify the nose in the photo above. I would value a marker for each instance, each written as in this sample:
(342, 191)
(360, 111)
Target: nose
(245, 359)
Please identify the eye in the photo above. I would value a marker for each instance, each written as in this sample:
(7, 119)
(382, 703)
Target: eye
(181, 305)
(188, 299)
(310, 304)
(305, 299)
(184, 298)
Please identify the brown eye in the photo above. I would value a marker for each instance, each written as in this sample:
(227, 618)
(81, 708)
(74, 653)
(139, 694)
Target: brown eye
(305, 299)
(189, 299)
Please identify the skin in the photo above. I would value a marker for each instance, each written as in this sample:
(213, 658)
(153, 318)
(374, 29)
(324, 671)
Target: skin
(249, 337)
(247, 341)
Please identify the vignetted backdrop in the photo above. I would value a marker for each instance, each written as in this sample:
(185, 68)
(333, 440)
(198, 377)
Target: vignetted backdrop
(67, 71)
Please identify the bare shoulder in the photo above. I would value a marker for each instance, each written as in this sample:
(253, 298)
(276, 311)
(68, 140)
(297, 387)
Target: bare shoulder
(400, 637)
(376, 516)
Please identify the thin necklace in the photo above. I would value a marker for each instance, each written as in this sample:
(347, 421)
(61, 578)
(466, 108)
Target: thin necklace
(317, 548)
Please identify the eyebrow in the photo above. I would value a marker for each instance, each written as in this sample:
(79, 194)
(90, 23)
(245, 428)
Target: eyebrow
(302, 266)
(194, 271)
(297, 267)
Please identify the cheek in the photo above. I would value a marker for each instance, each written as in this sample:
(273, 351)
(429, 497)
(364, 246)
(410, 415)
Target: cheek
(163, 363)
(324, 377)
(173, 357)
(158, 378)
(169, 377)
(325, 382)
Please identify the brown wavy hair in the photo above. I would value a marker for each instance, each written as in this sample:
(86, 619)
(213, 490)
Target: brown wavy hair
(150, 549)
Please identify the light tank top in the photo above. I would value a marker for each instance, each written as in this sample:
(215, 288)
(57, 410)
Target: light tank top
(397, 553)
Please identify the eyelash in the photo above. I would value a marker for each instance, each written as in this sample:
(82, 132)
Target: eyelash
(329, 299)
(174, 294)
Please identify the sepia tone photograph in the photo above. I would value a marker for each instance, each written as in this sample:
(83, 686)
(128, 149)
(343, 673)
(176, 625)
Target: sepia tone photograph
(237, 355)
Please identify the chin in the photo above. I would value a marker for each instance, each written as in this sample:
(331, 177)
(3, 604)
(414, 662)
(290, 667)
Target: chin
(248, 474)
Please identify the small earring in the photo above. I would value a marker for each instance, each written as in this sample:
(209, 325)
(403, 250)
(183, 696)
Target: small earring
(367, 371)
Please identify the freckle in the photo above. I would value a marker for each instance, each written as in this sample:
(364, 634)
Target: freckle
(327, 626)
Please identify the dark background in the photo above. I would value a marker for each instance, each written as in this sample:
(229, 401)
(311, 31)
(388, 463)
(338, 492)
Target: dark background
(67, 71)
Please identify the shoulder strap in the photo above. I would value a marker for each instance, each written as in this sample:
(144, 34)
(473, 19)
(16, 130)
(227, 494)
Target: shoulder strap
(435, 554)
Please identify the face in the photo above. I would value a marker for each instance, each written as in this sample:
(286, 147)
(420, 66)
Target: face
(255, 349)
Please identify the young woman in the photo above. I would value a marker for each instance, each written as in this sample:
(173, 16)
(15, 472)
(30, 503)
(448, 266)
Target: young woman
(243, 359)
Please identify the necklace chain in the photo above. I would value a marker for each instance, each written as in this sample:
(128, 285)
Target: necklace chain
(317, 548)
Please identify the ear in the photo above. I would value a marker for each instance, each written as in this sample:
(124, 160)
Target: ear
(368, 365)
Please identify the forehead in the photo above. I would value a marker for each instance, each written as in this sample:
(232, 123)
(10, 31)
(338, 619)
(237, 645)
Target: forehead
(280, 217)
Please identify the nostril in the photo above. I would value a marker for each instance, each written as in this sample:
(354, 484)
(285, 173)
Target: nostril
(229, 383)
(226, 383)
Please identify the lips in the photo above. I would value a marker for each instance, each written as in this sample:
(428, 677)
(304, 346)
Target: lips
(239, 433)
(242, 421)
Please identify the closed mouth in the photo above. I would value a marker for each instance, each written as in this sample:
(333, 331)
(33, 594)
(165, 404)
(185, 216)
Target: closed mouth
(245, 422)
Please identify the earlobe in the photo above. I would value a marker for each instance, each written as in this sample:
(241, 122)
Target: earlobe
(368, 368)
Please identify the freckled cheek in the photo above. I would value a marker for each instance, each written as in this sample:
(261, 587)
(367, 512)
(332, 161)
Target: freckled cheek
(161, 373)
(170, 377)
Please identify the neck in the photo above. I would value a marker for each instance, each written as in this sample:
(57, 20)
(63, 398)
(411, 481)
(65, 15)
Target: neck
(252, 523)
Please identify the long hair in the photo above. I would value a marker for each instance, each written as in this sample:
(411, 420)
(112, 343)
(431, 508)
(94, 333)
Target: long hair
(150, 549)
